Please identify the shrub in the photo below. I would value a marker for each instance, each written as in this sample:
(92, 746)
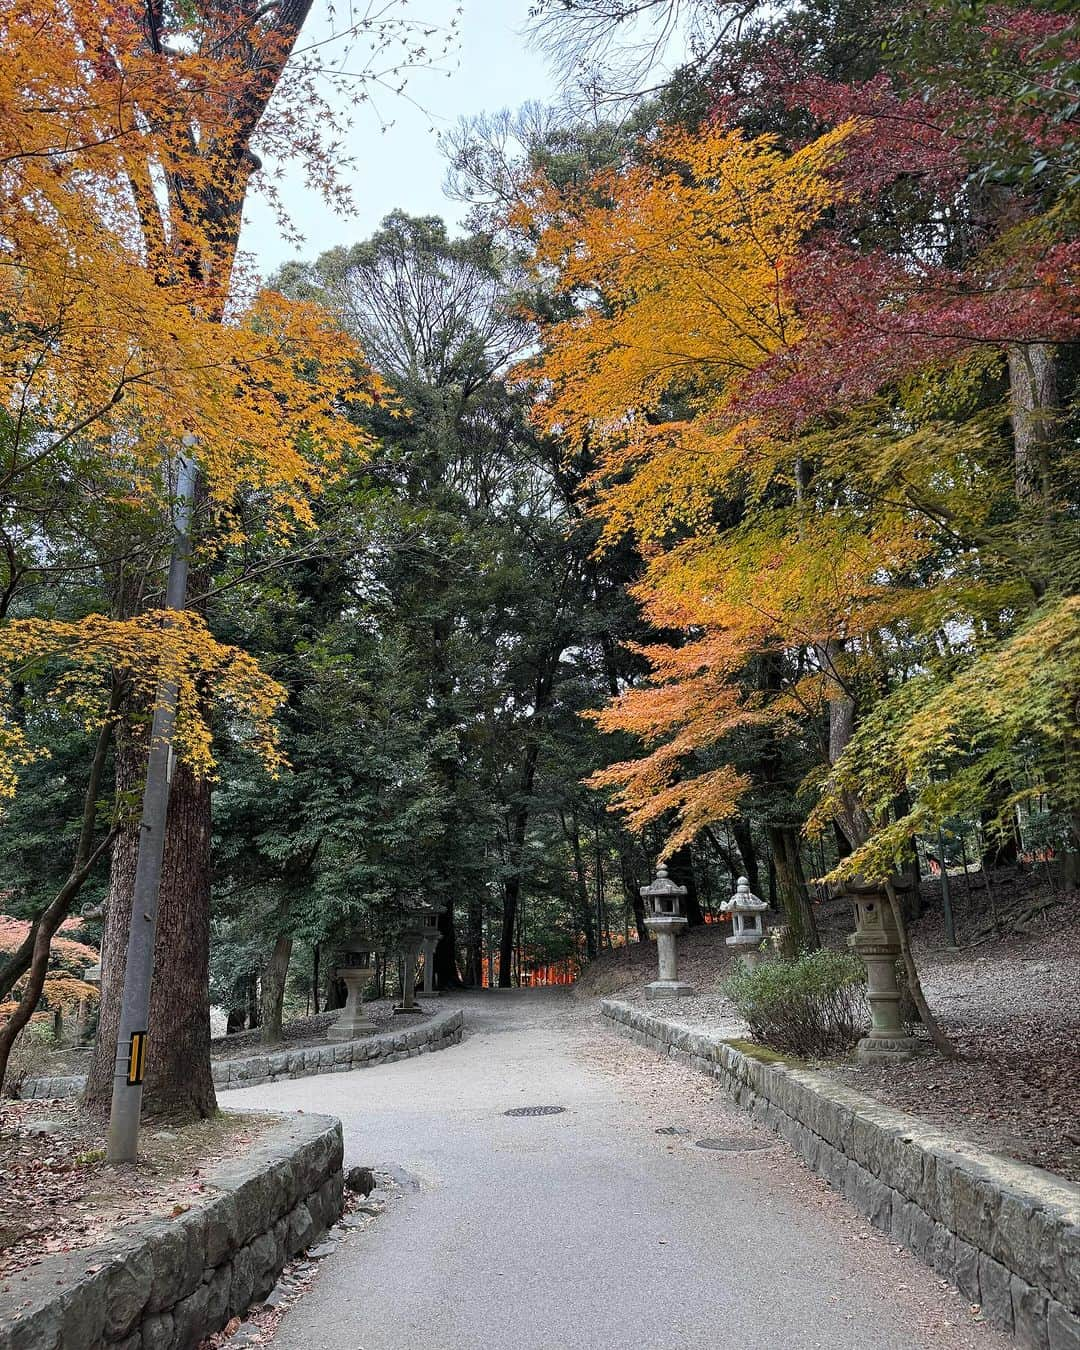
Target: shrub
(810, 1006)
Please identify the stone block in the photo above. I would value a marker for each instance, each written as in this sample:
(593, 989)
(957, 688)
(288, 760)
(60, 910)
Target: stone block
(177, 1266)
(40, 1328)
(1029, 1307)
(1065, 1242)
(247, 1070)
(221, 1230)
(921, 1238)
(267, 1259)
(940, 1169)
(1062, 1327)
(902, 1222)
(875, 1201)
(127, 1291)
(218, 1292)
(995, 1287)
(1024, 1237)
(301, 1229)
(902, 1165)
(966, 1275)
(157, 1332)
(190, 1324)
(242, 1282)
(942, 1254)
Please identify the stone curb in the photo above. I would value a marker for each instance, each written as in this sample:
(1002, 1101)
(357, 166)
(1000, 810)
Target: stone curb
(438, 1032)
(1006, 1234)
(168, 1283)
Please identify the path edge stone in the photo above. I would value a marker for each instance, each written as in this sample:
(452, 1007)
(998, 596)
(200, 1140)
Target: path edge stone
(1006, 1234)
(437, 1033)
(168, 1283)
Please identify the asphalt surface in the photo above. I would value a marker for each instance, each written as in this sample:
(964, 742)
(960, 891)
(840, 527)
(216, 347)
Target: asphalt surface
(588, 1229)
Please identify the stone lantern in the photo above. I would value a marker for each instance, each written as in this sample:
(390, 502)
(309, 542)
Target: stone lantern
(877, 940)
(664, 917)
(431, 941)
(413, 933)
(356, 966)
(748, 929)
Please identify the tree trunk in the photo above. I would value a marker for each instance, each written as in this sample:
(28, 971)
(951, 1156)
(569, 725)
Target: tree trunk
(633, 895)
(744, 839)
(573, 837)
(791, 885)
(681, 871)
(1033, 405)
(178, 1080)
(940, 1041)
(518, 827)
(43, 931)
(275, 973)
(447, 975)
(254, 1008)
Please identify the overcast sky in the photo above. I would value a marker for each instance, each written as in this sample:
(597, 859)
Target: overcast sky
(403, 166)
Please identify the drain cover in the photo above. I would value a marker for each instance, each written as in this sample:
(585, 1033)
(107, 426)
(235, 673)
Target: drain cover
(535, 1111)
(730, 1145)
(673, 1129)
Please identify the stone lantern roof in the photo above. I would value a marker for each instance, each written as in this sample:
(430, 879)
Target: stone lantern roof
(662, 894)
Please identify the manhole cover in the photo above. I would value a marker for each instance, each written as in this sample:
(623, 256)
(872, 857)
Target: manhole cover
(535, 1111)
(673, 1129)
(734, 1145)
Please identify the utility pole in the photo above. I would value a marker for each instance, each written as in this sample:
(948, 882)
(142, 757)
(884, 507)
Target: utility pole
(130, 1068)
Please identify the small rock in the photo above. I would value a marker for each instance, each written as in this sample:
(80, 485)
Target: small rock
(245, 1334)
(370, 1207)
(44, 1126)
(164, 1134)
(277, 1296)
(323, 1250)
(352, 1221)
(360, 1179)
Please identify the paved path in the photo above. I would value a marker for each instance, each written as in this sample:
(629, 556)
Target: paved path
(589, 1229)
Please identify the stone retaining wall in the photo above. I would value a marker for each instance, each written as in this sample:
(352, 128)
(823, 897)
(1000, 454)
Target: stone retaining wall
(434, 1033)
(169, 1283)
(1006, 1234)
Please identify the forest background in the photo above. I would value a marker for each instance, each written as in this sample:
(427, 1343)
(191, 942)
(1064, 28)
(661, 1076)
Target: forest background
(722, 473)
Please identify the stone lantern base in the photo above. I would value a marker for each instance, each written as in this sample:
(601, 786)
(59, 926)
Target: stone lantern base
(354, 1022)
(886, 1049)
(747, 948)
(668, 989)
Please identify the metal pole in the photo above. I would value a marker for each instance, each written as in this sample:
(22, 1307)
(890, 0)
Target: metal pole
(131, 1036)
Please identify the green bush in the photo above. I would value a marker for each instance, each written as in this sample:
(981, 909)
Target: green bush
(810, 1006)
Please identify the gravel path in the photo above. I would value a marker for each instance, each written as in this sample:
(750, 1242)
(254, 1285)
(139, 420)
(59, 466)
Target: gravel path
(588, 1228)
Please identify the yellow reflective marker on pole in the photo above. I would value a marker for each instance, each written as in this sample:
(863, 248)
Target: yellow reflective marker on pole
(137, 1059)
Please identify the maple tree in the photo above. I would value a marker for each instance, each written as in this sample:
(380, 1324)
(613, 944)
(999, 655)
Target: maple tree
(126, 153)
(837, 458)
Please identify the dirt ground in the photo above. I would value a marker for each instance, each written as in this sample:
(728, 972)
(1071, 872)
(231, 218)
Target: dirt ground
(1010, 1004)
(57, 1192)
